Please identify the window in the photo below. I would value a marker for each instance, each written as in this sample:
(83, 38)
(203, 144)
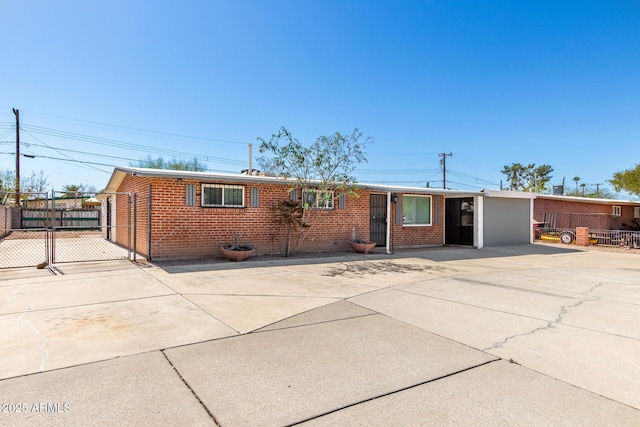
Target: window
(636, 212)
(617, 211)
(231, 196)
(317, 199)
(416, 210)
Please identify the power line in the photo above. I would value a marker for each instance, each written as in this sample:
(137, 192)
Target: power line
(471, 178)
(138, 131)
(130, 146)
(394, 171)
(59, 151)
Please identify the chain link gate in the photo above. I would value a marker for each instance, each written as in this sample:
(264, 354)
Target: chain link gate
(24, 235)
(59, 227)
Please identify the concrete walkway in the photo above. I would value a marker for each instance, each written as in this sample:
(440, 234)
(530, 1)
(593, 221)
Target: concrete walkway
(526, 335)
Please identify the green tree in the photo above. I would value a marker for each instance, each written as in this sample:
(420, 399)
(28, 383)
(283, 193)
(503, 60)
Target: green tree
(528, 178)
(174, 164)
(576, 179)
(29, 183)
(35, 183)
(592, 192)
(627, 180)
(71, 190)
(75, 190)
(287, 216)
(321, 171)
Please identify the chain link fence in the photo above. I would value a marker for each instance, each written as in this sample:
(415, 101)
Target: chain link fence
(21, 246)
(49, 228)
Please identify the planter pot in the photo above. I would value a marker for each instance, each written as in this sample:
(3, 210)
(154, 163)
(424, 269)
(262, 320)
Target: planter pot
(363, 248)
(236, 256)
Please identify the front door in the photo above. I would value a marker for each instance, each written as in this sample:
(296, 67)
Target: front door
(378, 219)
(458, 224)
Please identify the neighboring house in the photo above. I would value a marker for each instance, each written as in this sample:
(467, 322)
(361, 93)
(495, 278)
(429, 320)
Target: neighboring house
(572, 212)
(186, 214)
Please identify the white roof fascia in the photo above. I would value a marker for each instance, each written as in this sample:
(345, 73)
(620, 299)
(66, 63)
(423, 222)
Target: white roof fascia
(589, 200)
(120, 172)
(510, 194)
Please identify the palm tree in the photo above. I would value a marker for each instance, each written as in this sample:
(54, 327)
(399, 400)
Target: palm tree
(71, 190)
(576, 179)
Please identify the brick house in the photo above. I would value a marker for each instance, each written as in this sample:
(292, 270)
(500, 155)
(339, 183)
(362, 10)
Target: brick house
(569, 212)
(185, 214)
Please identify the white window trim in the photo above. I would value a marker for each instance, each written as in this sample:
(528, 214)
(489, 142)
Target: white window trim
(430, 211)
(636, 212)
(616, 211)
(223, 187)
(329, 203)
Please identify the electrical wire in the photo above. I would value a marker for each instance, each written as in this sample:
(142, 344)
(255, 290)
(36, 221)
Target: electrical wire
(470, 178)
(88, 153)
(138, 131)
(394, 171)
(130, 146)
(60, 152)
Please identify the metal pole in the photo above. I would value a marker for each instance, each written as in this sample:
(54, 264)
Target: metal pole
(149, 226)
(17, 113)
(53, 226)
(135, 225)
(128, 225)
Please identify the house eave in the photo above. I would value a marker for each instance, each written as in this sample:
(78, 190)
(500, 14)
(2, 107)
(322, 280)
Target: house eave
(121, 172)
(588, 200)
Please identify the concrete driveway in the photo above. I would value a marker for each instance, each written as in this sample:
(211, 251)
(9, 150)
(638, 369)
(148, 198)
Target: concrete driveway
(526, 335)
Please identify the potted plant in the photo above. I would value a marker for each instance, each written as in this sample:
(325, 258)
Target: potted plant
(236, 251)
(362, 246)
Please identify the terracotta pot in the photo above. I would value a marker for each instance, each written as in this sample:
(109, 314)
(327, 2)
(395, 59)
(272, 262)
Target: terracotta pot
(237, 255)
(363, 248)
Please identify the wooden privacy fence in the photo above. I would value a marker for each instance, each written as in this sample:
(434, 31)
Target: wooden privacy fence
(87, 219)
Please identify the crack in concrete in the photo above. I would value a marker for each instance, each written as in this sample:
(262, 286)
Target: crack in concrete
(551, 324)
(21, 318)
(39, 334)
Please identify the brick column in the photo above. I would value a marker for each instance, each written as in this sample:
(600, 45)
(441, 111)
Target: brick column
(582, 236)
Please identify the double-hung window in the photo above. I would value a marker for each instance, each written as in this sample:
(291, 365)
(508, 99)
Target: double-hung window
(227, 196)
(317, 199)
(416, 210)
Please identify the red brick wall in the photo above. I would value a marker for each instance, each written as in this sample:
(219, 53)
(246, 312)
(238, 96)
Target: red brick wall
(139, 186)
(419, 236)
(541, 206)
(180, 231)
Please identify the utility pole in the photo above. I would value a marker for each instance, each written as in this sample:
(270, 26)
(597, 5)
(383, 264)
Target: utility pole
(17, 113)
(443, 162)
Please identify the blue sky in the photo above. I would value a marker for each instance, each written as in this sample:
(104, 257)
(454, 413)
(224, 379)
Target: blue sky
(493, 82)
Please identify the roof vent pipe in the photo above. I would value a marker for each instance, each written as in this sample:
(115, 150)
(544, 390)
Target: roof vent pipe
(250, 172)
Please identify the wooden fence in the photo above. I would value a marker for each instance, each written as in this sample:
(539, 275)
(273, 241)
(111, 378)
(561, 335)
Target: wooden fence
(87, 219)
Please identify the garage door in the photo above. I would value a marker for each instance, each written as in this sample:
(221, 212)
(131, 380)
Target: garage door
(506, 221)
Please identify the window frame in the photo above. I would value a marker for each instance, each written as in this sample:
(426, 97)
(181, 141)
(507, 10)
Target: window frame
(316, 204)
(409, 196)
(223, 187)
(616, 210)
